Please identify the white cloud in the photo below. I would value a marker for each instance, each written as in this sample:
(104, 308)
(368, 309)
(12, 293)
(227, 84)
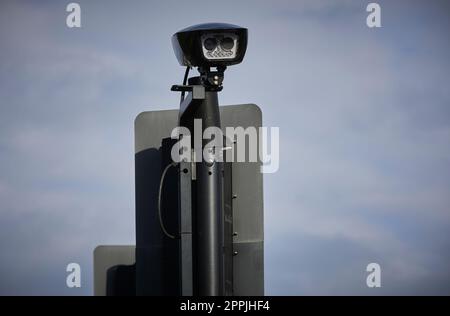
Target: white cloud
(363, 119)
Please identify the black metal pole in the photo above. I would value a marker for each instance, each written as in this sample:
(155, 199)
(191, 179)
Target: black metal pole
(209, 207)
(207, 196)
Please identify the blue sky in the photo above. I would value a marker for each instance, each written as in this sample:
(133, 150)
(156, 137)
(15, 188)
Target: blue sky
(364, 124)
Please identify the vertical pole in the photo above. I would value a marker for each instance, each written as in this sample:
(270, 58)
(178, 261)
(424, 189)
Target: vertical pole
(208, 207)
(207, 200)
(185, 216)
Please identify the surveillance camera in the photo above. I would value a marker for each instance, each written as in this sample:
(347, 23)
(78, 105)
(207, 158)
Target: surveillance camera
(210, 45)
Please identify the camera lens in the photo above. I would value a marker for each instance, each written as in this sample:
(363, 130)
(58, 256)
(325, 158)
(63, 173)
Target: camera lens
(210, 43)
(227, 43)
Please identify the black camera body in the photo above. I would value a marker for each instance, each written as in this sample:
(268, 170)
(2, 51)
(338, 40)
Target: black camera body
(210, 45)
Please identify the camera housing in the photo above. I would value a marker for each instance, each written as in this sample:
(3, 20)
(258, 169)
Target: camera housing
(210, 45)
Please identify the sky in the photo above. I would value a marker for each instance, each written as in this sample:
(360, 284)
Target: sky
(363, 113)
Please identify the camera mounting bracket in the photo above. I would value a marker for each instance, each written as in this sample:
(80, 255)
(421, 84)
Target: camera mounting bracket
(197, 90)
(212, 79)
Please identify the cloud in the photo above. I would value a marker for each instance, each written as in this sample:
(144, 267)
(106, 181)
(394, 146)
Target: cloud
(364, 127)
